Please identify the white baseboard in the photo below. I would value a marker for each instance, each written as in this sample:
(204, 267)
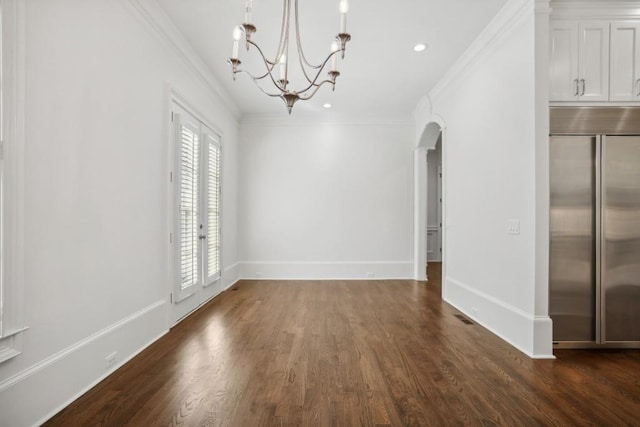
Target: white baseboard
(543, 338)
(230, 276)
(37, 393)
(326, 270)
(529, 334)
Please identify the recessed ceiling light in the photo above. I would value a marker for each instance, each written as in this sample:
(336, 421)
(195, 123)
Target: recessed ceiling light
(420, 47)
(327, 105)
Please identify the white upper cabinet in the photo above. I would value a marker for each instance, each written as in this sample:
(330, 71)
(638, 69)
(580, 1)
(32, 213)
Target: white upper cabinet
(579, 61)
(563, 60)
(593, 60)
(625, 61)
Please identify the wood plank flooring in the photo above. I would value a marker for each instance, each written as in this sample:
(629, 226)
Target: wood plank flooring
(353, 353)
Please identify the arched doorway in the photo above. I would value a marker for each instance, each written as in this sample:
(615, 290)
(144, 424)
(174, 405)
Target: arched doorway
(432, 136)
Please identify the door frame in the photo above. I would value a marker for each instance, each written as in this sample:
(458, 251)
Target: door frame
(179, 310)
(435, 129)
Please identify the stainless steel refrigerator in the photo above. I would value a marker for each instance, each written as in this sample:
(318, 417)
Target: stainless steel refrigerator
(594, 276)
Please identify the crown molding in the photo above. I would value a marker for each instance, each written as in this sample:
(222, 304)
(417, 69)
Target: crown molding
(563, 9)
(500, 27)
(542, 7)
(167, 32)
(423, 108)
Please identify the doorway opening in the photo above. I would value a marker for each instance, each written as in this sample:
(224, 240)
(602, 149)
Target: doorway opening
(430, 204)
(434, 212)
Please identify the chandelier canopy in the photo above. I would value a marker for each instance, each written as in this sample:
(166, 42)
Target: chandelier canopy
(312, 73)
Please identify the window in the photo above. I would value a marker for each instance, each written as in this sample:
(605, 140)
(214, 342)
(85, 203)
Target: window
(198, 197)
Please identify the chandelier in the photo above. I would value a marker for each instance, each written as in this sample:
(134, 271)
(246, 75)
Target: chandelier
(312, 73)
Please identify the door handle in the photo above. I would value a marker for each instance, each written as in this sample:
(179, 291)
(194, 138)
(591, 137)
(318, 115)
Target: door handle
(638, 87)
(584, 87)
(202, 236)
(575, 82)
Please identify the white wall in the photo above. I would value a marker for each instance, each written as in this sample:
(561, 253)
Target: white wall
(326, 200)
(488, 105)
(96, 195)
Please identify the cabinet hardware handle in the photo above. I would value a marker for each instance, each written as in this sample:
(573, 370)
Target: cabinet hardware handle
(638, 87)
(575, 82)
(584, 87)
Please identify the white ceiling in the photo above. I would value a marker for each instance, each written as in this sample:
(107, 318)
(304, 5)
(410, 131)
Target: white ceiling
(381, 74)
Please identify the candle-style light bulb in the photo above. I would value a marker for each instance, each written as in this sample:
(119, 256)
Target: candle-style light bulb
(283, 67)
(334, 58)
(237, 34)
(344, 8)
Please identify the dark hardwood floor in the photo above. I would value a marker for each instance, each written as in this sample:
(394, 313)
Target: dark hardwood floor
(346, 353)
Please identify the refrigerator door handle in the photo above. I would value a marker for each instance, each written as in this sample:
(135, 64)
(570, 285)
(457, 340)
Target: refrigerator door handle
(598, 237)
(602, 291)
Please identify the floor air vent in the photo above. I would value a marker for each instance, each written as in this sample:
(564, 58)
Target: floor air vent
(464, 319)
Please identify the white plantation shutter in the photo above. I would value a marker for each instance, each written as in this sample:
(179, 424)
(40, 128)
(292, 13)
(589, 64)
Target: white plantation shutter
(197, 227)
(213, 208)
(188, 184)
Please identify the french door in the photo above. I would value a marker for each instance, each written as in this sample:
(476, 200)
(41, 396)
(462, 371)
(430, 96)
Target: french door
(196, 233)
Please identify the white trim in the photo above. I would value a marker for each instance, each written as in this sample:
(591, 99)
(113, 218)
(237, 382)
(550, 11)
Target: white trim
(542, 337)
(85, 359)
(543, 328)
(8, 352)
(34, 369)
(230, 275)
(594, 10)
(12, 234)
(171, 37)
(97, 381)
(501, 318)
(14, 332)
(420, 189)
(177, 97)
(509, 17)
(356, 270)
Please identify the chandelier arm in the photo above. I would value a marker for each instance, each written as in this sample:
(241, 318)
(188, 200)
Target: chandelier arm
(255, 81)
(317, 88)
(268, 64)
(313, 82)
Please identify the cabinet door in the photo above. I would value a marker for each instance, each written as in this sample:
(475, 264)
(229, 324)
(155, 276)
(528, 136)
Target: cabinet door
(593, 69)
(563, 61)
(625, 57)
